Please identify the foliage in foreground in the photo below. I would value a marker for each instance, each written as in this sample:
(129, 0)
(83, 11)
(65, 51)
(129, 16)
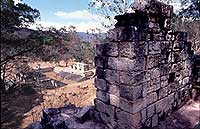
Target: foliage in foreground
(20, 45)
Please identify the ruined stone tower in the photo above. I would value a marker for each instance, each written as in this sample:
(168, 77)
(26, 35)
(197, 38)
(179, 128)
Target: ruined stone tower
(144, 72)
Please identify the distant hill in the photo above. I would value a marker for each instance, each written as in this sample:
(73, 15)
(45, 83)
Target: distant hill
(23, 33)
(89, 37)
(84, 36)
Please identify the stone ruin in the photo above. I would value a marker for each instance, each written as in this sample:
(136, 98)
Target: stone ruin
(76, 68)
(145, 72)
(196, 74)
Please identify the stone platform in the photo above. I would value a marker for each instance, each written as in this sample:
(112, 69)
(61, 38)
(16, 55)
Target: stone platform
(187, 117)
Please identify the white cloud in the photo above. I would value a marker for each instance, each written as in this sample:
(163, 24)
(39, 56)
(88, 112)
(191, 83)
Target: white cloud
(17, 1)
(80, 27)
(46, 24)
(176, 6)
(82, 20)
(77, 15)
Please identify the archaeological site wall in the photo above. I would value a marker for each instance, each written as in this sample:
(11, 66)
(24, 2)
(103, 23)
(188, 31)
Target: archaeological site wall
(144, 72)
(196, 72)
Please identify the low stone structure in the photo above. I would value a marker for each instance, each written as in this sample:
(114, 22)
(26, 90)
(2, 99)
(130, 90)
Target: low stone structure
(80, 67)
(77, 68)
(145, 72)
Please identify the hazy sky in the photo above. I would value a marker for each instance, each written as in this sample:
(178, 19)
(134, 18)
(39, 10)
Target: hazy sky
(59, 13)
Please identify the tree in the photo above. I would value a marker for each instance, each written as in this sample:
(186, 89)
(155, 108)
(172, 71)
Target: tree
(190, 9)
(18, 15)
(12, 17)
(82, 51)
(14, 52)
(189, 26)
(70, 46)
(16, 41)
(56, 46)
(188, 19)
(72, 35)
(107, 9)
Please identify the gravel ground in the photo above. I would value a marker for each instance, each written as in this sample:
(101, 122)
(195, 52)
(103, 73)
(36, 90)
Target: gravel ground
(187, 117)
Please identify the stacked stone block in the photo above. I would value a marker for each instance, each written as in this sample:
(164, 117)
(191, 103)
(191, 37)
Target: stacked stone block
(144, 72)
(196, 71)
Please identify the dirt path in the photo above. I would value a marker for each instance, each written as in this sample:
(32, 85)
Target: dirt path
(53, 75)
(186, 117)
(21, 110)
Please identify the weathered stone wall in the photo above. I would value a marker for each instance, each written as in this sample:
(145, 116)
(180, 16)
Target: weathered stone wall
(144, 72)
(196, 71)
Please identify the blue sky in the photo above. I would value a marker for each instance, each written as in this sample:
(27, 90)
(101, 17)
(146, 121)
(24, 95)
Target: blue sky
(48, 8)
(59, 13)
